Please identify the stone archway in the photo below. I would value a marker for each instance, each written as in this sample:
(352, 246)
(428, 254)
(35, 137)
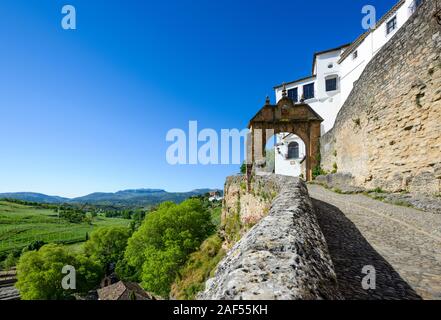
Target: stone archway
(299, 119)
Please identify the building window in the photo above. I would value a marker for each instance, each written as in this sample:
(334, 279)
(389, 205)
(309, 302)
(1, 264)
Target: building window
(308, 91)
(391, 25)
(293, 94)
(293, 150)
(331, 84)
(330, 66)
(355, 55)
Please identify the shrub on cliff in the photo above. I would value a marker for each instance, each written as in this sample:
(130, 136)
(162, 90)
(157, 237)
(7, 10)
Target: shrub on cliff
(243, 168)
(199, 267)
(318, 170)
(163, 242)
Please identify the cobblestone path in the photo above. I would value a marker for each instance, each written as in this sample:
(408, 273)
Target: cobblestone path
(403, 244)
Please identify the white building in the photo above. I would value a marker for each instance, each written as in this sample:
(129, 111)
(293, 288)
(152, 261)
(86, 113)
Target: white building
(290, 154)
(321, 90)
(334, 73)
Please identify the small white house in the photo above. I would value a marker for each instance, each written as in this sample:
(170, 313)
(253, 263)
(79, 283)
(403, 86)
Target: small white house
(290, 154)
(215, 196)
(334, 73)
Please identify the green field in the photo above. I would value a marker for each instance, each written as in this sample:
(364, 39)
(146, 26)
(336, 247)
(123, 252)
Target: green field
(22, 224)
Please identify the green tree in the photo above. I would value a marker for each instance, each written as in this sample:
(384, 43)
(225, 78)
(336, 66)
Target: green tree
(73, 216)
(126, 214)
(39, 273)
(165, 239)
(89, 273)
(137, 218)
(34, 245)
(243, 168)
(10, 261)
(88, 218)
(127, 272)
(107, 245)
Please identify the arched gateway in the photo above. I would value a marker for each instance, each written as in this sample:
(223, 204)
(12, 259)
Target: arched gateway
(299, 119)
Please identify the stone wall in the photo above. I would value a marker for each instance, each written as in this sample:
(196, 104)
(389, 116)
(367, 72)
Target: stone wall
(388, 133)
(241, 209)
(284, 256)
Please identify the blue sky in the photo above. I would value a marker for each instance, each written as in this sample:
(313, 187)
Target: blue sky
(88, 110)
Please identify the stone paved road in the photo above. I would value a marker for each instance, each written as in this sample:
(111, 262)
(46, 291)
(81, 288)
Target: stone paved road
(403, 244)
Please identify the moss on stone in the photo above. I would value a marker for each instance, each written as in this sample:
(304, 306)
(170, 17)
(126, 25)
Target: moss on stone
(357, 122)
(378, 190)
(337, 190)
(233, 227)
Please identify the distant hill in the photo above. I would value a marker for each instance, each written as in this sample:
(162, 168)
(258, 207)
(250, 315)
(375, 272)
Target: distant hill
(136, 197)
(33, 197)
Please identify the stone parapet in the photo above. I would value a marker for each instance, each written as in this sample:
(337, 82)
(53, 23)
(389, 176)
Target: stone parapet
(284, 256)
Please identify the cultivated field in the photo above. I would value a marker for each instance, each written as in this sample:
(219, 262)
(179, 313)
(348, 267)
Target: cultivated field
(22, 224)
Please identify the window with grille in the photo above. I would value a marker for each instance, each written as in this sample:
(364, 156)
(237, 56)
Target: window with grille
(308, 91)
(293, 150)
(293, 94)
(391, 25)
(331, 84)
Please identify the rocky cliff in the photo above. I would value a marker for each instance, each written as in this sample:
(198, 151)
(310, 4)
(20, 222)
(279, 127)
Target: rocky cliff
(388, 133)
(241, 208)
(283, 256)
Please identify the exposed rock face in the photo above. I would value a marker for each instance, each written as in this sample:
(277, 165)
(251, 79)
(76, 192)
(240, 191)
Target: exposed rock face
(342, 181)
(345, 183)
(283, 257)
(388, 133)
(242, 209)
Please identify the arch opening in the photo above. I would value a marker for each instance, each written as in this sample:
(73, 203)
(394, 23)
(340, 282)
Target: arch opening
(287, 122)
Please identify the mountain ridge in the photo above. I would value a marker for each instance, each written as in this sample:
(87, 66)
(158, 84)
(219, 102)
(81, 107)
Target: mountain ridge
(129, 197)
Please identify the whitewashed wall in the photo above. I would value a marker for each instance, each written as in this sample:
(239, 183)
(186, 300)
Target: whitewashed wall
(326, 104)
(288, 167)
(351, 69)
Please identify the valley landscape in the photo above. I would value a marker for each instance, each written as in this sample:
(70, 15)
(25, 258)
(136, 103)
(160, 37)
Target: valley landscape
(124, 198)
(26, 217)
(77, 228)
(21, 225)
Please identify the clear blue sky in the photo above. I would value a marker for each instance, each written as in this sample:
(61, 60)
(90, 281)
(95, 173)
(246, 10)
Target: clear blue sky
(88, 110)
